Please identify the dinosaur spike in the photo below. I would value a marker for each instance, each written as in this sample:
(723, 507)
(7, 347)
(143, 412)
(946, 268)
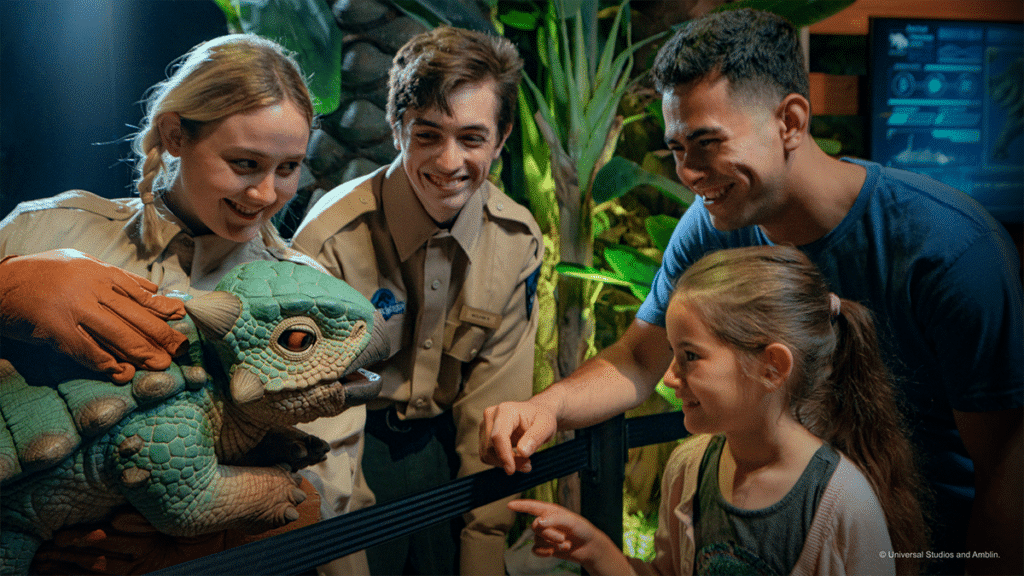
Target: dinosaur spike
(378, 348)
(246, 387)
(214, 313)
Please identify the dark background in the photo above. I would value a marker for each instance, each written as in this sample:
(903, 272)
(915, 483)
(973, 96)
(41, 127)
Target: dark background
(72, 76)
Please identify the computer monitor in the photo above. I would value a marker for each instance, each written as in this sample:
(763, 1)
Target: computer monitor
(947, 100)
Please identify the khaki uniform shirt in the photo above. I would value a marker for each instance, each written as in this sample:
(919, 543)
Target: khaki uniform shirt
(110, 230)
(458, 305)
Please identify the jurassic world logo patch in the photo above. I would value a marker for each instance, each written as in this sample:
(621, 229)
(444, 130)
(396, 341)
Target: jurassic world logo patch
(384, 300)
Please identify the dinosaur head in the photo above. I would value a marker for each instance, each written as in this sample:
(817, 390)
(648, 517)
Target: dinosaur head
(293, 337)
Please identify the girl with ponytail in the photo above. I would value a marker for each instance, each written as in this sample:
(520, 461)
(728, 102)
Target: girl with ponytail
(799, 463)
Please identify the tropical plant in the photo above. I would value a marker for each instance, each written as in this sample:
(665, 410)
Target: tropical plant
(576, 103)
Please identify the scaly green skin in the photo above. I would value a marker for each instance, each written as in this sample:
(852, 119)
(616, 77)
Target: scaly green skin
(173, 460)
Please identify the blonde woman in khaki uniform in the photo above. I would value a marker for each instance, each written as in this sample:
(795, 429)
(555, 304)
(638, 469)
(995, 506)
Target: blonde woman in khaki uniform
(219, 154)
(451, 262)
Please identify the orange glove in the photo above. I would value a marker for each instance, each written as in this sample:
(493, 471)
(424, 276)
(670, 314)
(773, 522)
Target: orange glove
(106, 319)
(128, 544)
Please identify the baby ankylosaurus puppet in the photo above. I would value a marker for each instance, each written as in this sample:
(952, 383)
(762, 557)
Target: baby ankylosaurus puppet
(277, 344)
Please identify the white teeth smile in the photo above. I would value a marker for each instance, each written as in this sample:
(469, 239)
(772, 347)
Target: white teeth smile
(241, 209)
(713, 195)
(710, 198)
(445, 182)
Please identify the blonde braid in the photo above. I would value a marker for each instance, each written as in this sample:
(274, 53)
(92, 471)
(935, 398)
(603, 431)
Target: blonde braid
(150, 168)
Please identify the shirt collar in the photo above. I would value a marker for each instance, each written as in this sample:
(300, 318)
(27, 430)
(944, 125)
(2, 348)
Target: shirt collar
(211, 256)
(409, 223)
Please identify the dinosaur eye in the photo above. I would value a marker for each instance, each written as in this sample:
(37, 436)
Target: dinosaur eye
(296, 340)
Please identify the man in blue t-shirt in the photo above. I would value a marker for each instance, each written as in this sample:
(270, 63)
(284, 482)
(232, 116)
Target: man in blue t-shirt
(941, 276)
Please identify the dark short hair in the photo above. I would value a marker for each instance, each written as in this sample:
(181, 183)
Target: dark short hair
(759, 52)
(432, 65)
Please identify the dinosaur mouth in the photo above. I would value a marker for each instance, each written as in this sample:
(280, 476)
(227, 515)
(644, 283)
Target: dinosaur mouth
(327, 398)
(361, 386)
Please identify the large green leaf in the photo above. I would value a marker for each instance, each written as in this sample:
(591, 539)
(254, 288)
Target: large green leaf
(307, 28)
(631, 264)
(800, 12)
(590, 273)
(829, 146)
(230, 13)
(659, 228)
(431, 13)
(620, 175)
(519, 19)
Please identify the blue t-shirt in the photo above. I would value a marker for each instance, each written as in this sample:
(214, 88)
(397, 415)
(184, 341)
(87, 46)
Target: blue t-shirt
(942, 278)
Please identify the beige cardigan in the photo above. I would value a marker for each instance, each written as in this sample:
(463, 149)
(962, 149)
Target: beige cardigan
(847, 536)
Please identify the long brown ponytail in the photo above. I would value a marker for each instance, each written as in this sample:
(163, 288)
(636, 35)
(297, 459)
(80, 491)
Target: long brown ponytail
(840, 389)
(858, 414)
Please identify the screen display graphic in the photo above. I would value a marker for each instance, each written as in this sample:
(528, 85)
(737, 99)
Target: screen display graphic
(947, 100)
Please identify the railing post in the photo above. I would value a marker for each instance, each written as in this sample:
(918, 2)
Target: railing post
(601, 482)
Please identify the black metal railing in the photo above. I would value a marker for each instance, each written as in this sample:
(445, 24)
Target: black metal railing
(598, 453)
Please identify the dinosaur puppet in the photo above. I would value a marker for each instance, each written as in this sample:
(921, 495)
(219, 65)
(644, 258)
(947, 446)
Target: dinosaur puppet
(275, 345)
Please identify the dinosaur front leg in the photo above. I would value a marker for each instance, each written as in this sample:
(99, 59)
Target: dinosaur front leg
(168, 469)
(242, 498)
(251, 499)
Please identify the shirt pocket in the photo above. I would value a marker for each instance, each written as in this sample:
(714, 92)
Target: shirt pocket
(463, 340)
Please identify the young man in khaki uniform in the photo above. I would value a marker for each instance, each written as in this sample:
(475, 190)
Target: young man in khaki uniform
(452, 264)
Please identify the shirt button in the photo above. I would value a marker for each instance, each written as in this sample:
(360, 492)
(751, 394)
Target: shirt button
(435, 284)
(428, 344)
(421, 403)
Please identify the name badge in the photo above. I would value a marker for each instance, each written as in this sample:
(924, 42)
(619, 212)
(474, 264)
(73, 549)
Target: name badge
(480, 317)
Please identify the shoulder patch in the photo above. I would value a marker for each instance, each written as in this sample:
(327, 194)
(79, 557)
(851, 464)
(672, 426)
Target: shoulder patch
(384, 300)
(531, 290)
